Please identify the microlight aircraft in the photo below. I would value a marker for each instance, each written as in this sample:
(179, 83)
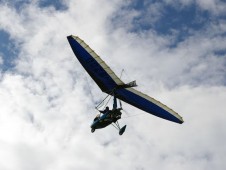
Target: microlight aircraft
(111, 84)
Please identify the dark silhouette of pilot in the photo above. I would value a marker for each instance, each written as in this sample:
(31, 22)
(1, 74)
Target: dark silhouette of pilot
(106, 110)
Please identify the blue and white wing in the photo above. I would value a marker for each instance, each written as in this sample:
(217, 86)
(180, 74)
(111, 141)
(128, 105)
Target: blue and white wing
(108, 81)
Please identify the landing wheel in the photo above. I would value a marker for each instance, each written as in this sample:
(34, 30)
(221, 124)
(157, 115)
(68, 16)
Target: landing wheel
(92, 130)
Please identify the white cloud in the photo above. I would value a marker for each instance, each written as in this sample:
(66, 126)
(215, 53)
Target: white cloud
(214, 6)
(46, 109)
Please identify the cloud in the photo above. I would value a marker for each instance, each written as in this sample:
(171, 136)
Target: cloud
(215, 7)
(47, 99)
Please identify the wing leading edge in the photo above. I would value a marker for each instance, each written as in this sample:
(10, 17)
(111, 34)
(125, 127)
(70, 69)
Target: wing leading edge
(107, 80)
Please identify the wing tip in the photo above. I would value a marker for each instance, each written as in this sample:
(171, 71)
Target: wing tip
(72, 36)
(181, 121)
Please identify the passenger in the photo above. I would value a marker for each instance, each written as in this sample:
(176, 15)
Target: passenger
(97, 117)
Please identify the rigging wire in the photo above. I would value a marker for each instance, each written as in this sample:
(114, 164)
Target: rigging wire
(100, 104)
(121, 73)
(116, 125)
(127, 77)
(107, 101)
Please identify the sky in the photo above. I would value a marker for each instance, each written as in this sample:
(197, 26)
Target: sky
(175, 50)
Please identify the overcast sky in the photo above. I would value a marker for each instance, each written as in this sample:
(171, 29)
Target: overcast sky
(175, 49)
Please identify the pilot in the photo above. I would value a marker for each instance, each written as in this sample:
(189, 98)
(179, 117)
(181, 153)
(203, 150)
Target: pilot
(106, 110)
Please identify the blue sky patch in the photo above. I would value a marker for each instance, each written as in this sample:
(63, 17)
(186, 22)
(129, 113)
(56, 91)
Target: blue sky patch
(57, 4)
(165, 19)
(19, 4)
(221, 52)
(8, 51)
